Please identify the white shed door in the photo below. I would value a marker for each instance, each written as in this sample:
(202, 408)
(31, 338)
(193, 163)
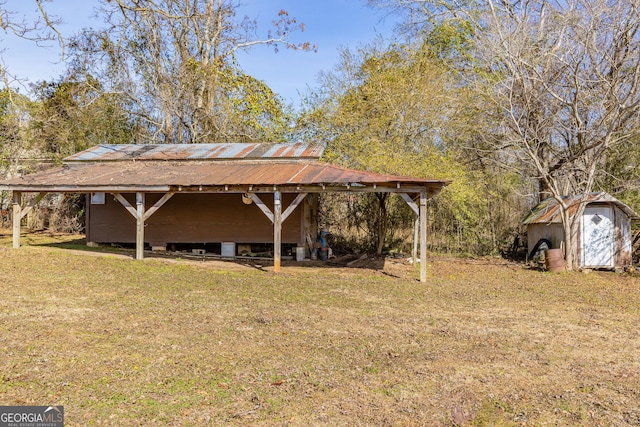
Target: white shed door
(597, 237)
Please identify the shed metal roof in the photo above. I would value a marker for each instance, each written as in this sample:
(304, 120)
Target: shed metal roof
(235, 151)
(548, 210)
(154, 176)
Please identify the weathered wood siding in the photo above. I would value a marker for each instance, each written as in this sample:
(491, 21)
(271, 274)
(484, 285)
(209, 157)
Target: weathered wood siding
(622, 235)
(193, 218)
(552, 232)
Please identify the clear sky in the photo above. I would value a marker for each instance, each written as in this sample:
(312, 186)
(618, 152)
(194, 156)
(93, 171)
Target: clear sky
(329, 24)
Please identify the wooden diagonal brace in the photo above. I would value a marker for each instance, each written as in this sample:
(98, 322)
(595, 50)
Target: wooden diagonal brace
(260, 204)
(157, 205)
(265, 209)
(31, 205)
(299, 198)
(124, 202)
(413, 205)
(153, 209)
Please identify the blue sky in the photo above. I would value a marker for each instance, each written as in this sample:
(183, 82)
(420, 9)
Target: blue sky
(329, 24)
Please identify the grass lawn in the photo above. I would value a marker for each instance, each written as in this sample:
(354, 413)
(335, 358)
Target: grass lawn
(177, 342)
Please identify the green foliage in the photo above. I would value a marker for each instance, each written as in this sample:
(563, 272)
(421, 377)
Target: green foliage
(451, 40)
(620, 176)
(403, 114)
(74, 115)
(241, 107)
(15, 110)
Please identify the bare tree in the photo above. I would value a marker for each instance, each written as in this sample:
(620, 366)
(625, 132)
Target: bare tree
(15, 108)
(175, 60)
(39, 28)
(562, 80)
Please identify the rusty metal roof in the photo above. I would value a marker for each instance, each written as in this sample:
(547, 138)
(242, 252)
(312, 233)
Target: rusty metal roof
(169, 175)
(189, 167)
(236, 151)
(548, 210)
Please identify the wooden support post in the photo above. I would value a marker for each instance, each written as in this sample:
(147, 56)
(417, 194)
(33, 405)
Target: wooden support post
(417, 226)
(19, 212)
(423, 236)
(277, 231)
(139, 225)
(416, 237)
(277, 217)
(17, 216)
(140, 215)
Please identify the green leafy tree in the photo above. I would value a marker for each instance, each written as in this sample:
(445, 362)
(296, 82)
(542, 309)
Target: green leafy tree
(75, 115)
(561, 82)
(15, 111)
(393, 111)
(15, 149)
(620, 175)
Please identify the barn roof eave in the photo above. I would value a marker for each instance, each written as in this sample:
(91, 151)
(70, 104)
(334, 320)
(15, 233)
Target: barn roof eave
(149, 177)
(433, 189)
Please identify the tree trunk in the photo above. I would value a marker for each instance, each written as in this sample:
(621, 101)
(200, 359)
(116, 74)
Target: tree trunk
(383, 221)
(569, 250)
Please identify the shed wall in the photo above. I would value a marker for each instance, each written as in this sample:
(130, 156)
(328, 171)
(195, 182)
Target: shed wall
(193, 218)
(622, 233)
(555, 234)
(552, 232)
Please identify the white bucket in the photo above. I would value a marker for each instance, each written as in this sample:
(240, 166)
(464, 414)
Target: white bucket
(228, 248)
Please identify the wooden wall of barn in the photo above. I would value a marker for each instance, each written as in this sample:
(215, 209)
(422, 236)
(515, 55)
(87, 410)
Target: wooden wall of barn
(195, 218)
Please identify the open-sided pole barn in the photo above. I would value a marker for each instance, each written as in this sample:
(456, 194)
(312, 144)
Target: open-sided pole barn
(164, 187)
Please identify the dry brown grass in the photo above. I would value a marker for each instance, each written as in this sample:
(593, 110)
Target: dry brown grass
(161, 342)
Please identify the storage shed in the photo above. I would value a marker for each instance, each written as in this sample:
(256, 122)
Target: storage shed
(223, 194)
(604, 239)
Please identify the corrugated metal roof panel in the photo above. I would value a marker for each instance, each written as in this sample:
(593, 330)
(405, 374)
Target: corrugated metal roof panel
(239, 151)
(148, 174)
(548, 210)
